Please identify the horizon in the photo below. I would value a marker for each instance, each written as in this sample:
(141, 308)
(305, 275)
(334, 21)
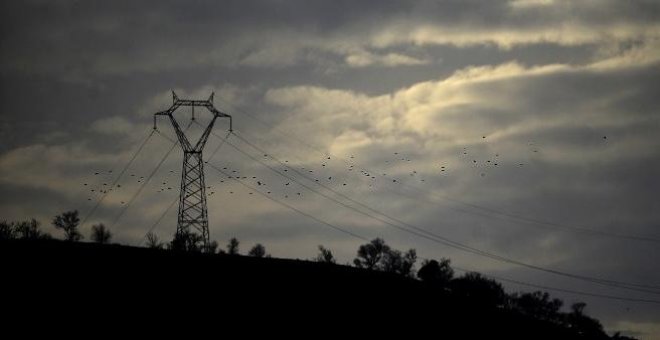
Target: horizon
(523, 130)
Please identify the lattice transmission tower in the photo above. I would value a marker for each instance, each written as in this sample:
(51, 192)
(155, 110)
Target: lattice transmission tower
(193, 216)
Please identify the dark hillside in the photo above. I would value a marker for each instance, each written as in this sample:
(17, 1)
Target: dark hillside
(42, 272)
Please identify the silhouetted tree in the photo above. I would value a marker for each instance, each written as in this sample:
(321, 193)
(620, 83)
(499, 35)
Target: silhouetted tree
(538, 305)
(7, 231)
(153, 241)
(393, 261)
(186, 241)
(583, 324)
(325, 255)
(29, 230)
(232, 246)
(578, 308)
(212, 247)
(68, 222)
(479, 290)
(437, 273)
(101, 234)
(369, 255)
(258, 250)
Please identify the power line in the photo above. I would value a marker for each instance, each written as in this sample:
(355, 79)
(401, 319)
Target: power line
(151, 175)
(443, 240)
(345, 231)
(153, 226)
(219, 146)
(604, 296)
(114, 183)
(489, 210)
(328, 224)
(563, 290)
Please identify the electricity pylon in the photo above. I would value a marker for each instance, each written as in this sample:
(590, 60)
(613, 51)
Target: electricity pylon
(192, 198)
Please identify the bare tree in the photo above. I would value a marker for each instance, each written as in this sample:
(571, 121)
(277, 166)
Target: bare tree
(153, 241)
(29, 230)
(212, 247)
(7, 230)
(232, 246)
(68, 222)
(101, 234)
(258, 250)
(325, 255)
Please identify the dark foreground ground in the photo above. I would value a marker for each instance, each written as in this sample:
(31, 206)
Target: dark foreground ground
(114, 285)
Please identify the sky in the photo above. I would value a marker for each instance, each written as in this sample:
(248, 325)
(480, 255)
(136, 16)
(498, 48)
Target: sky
(527, 129)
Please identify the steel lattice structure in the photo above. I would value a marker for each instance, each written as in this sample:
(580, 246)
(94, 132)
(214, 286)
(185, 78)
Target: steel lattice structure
(192, 198)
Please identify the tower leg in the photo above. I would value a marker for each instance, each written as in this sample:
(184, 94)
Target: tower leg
(193, 224)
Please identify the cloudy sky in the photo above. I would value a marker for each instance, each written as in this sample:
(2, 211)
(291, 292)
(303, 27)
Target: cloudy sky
(527, 129)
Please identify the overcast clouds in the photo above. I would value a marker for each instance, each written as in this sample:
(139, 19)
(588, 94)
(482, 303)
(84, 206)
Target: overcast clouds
(568, 89)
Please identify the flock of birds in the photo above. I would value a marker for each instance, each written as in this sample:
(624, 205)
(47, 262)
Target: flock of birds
(330, 172)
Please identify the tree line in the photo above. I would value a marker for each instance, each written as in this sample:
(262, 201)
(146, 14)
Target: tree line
(69, 222)
(375, 255)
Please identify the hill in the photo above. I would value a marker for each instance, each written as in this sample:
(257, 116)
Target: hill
(96, 278)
